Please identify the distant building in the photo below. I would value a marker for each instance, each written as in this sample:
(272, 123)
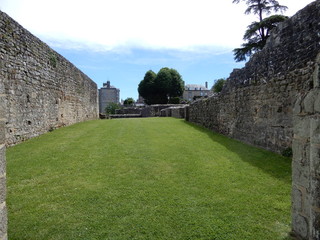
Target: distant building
(108, 94)
(195, 90)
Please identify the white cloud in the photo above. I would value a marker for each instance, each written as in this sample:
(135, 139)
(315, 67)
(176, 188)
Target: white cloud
(105, 25)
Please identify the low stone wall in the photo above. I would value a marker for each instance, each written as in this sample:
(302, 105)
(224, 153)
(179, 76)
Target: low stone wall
(43, 90)
(146, 111)
(177, 112)
(129, 110)
(306, 163)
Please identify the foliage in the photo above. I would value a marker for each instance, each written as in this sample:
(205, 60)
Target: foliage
(174, 100)
(129, 102)
(161, 87)
(218, 85)
(258, 32)
(53, 59)
(145, 179)
(111, 108)
(287, 152)
(146, 87)
(196, 97)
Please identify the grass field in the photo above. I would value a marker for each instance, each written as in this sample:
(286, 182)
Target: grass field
(152, 178)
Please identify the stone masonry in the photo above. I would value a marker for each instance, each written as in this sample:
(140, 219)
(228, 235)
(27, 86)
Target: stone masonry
(39, 91)
(274, 103)
(3, 210)
(306, 163)
(43, 90)
(256, 103)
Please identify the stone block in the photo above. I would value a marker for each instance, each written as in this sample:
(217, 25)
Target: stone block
(2, 106)
(315, 231)
(2, 189)
(315, 130)
(300, 226)
(297, 200)
(317, 101)
(2, 160)
(315, 160)
(301, 175)
(301, 127)
(308, 102)
(3, 221)
(301, 153)
(315, 194)
(2, 132)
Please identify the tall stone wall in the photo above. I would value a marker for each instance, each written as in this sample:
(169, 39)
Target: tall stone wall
(306, 163)
(256, 104)
(43, 90)
(274, 102)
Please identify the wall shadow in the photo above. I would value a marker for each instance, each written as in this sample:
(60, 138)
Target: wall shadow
(269, 162)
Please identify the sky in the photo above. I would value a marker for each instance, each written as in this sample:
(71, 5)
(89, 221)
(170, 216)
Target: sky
(120, 40)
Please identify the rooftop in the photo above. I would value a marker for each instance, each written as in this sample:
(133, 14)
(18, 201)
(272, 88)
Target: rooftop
(195, 87)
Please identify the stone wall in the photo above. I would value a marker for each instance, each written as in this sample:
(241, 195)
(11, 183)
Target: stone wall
(274, 102)
(146, 111)
(43, 90)
(256, 103)
(175, 111)
(3, 211)
(306, 163)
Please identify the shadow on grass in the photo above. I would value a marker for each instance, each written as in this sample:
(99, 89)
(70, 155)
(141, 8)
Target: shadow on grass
(271, 163)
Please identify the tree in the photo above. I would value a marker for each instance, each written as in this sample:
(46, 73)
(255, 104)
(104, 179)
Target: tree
(111, 108)
(146, 87)
(160, 88)
(258, 32)
(129, 102)
(218, 85)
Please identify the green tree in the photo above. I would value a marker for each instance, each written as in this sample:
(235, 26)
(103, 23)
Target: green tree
(161, 87)
(111, 108)
(218, 85)
(129, 102)
(146, 87)
(258, 32)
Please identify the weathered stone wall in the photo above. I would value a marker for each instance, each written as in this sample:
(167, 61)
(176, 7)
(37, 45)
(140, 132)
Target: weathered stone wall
(3, 211)
(146, 111)
(43, 90)
(256, 104)
(176, 111)
(306, 163)
(274, 102)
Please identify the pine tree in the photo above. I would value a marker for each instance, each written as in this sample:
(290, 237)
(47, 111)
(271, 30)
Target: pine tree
(258, 32)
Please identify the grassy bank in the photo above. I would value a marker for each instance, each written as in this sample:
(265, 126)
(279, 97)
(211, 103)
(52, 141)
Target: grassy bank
(155, 178)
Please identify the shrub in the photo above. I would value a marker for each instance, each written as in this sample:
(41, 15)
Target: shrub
(174, 100)
(287, 152)
(111, 108)
(218, 85)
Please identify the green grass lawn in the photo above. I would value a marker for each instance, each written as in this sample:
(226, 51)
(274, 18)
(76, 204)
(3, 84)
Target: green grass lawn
(152, 178)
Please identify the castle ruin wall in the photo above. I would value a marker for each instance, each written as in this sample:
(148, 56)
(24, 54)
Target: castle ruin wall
(274, 103)
(3, 209)
(43, 90)
(256, 103)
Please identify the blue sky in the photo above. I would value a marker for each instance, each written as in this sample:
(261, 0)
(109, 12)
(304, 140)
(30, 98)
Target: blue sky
(120, 40)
